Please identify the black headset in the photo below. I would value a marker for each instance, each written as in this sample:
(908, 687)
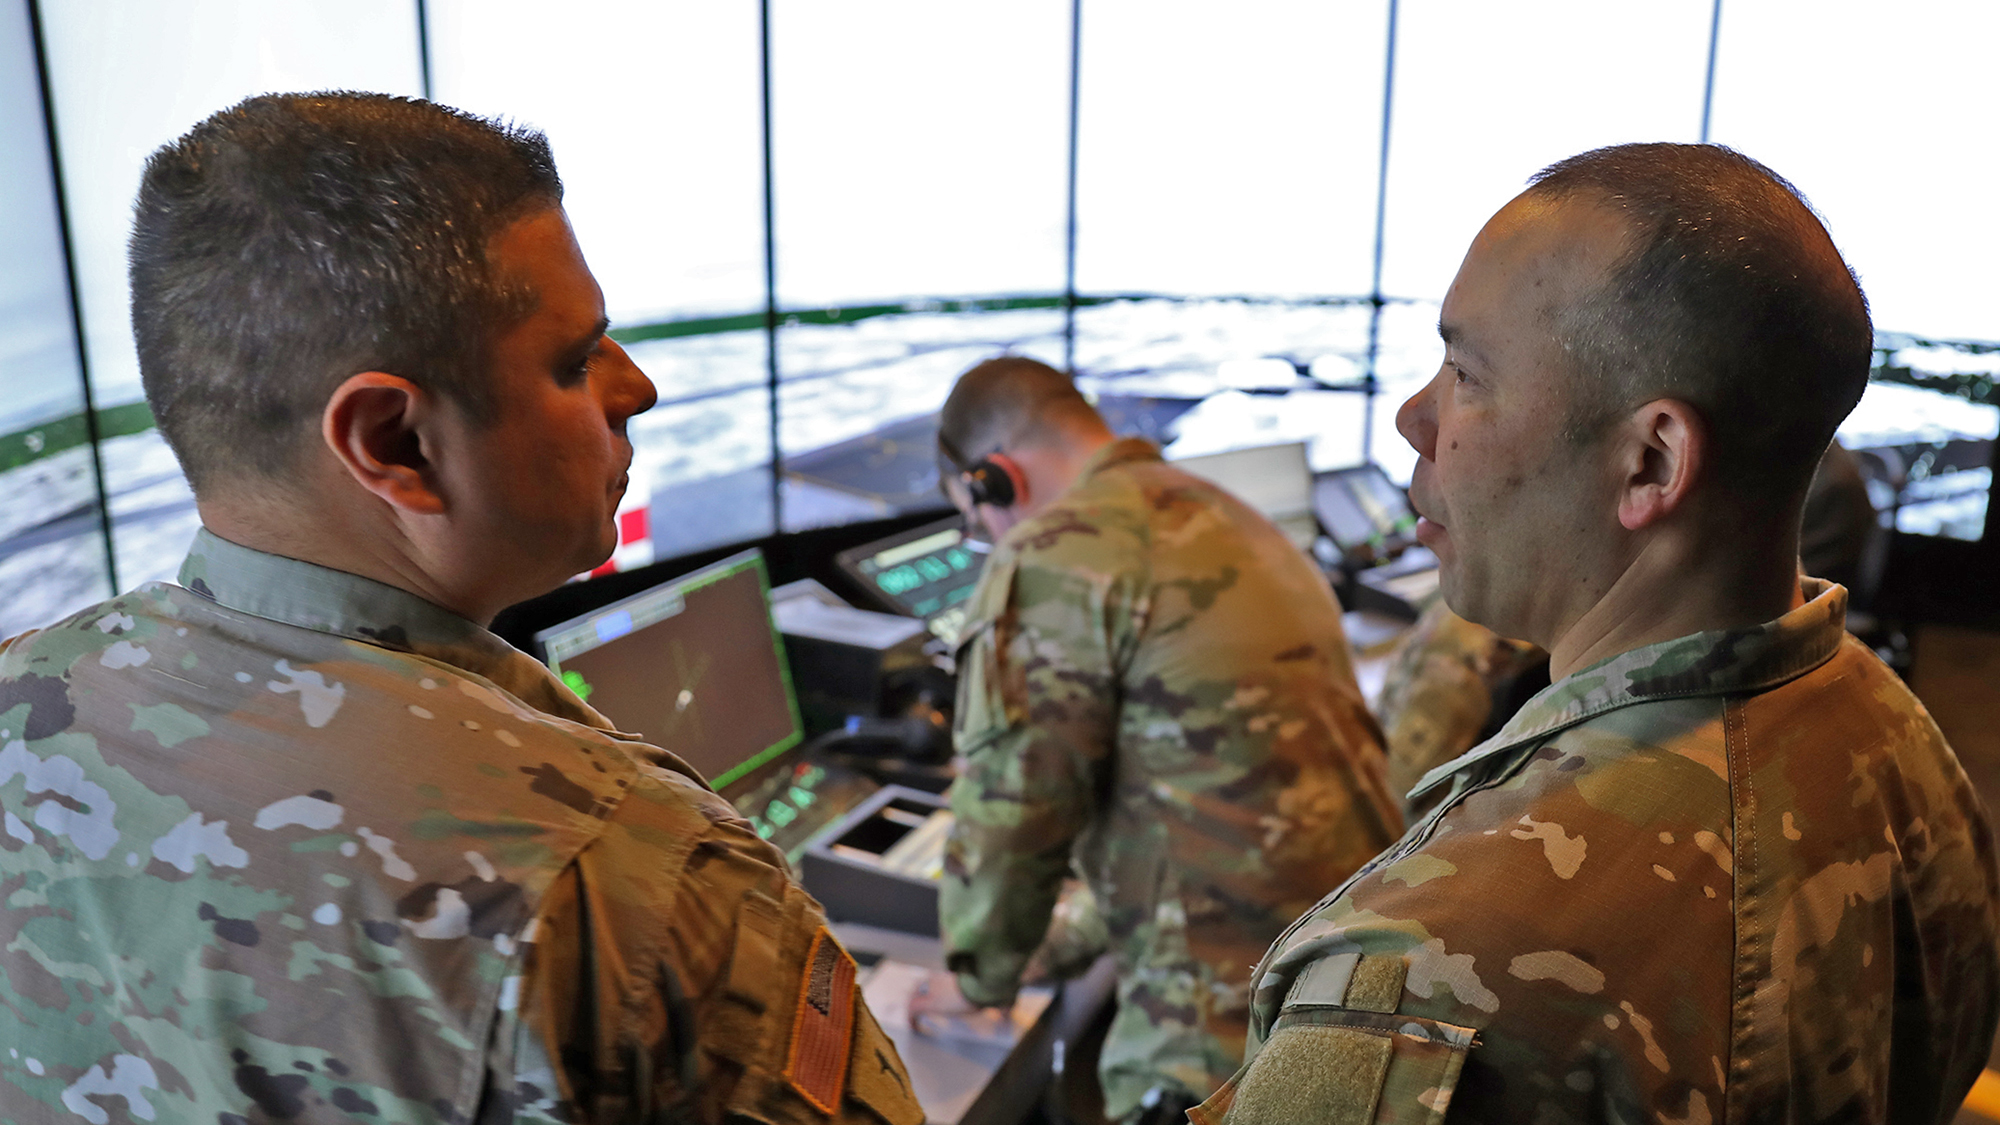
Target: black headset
(985, 481)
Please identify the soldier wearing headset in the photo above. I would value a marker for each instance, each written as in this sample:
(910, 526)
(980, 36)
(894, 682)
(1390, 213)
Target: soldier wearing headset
(1154, 696)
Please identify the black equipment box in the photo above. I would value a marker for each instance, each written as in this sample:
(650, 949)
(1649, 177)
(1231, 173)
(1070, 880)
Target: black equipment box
(880, 863)
(842, 658)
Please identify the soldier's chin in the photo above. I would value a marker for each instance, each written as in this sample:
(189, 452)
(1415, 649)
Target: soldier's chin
(598, 554)
(1452, 594)
(1453, 591)
(605, 550)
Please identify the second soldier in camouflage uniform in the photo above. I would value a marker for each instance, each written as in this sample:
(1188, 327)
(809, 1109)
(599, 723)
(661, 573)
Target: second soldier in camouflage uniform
(1725, 868)
(1154, 693)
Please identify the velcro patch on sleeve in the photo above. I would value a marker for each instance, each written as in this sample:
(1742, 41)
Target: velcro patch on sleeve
(1332, 1075)
(1377, 983)
(753, 966)
(823, 1028)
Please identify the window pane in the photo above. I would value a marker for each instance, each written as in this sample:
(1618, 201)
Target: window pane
(921, 149)
(128, 78)
(1884, 117)
(1181, 351)
(1409, 357)
(1488, 94)
(921, 157)
(856, 419)
(703, 453)
(654, 112)
(51, 545)
(1229, 149)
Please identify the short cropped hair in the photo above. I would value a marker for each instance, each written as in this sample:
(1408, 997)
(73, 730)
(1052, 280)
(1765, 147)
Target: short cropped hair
(1008, 401)
(1730, 297)
(293, 240)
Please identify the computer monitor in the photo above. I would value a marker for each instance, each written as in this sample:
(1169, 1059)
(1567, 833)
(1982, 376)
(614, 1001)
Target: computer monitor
(1364, 513)
(1274, 479)
(927, 572)
(694, 665)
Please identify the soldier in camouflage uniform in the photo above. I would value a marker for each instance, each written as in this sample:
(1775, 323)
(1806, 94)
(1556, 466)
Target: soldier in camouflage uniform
(1725, 868)
(1155, 693)
(294, 841)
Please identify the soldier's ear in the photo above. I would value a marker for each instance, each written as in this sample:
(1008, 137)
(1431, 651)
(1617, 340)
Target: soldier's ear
(1660, 452)
(1015, 476)
(379, 428)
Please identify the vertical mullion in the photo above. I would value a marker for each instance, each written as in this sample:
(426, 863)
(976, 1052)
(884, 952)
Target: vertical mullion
(90, 420)
(424, 48)
(770, 275)
(1708, 86)
(1069, 244)
(1369, 381)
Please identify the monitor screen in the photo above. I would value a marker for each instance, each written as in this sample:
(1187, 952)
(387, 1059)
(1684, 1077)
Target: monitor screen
(927, 572)
(694, 665)
(1274, 479)
(1363, 510)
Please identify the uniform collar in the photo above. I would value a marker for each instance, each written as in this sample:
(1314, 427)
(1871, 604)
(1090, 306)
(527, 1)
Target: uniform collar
(1718, 662)
(309, 596)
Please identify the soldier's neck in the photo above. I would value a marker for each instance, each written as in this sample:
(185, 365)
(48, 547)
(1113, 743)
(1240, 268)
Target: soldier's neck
(1054, 466)
(1677, 586)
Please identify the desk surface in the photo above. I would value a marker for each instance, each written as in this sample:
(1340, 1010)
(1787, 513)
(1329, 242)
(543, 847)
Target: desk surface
(989, 1072)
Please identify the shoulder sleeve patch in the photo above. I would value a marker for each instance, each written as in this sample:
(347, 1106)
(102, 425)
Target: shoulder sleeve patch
(823, 1027)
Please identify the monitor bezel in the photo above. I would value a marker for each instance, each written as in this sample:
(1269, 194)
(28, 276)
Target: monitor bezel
(1396, 544)
(687, 583)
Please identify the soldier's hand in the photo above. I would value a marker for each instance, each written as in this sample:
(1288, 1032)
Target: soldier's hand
(937, 999)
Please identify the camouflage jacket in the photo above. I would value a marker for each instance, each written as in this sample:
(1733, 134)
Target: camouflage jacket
(1154, 687)
(290, 845)
(1733, 877)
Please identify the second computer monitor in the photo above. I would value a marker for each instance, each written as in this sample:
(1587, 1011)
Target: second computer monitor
(1364, 513)
(1274, 479)
(693, 664)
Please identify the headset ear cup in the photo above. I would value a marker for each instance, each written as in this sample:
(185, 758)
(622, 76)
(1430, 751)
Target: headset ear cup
(988, 483)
